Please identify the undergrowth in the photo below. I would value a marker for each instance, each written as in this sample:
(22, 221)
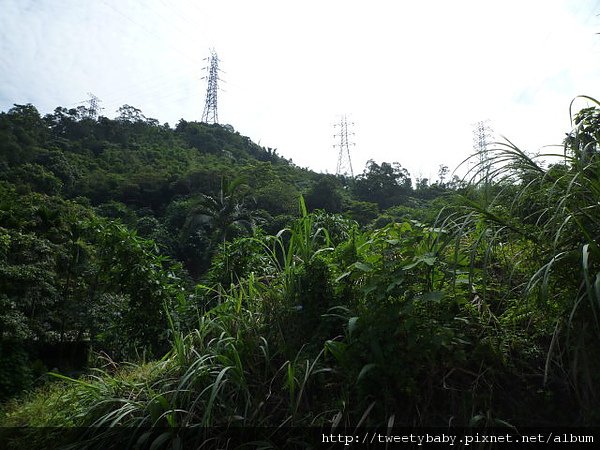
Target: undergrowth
(487, 317)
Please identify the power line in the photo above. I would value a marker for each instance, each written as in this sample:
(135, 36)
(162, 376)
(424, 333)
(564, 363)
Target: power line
(154, 92)
(344, 163)
(147, 30)
(175, 12)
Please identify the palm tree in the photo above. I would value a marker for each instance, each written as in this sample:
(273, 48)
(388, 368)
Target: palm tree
(223, 214)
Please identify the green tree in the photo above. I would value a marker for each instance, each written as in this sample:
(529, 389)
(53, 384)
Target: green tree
(26, 123)
(130, 114)
(212, 220)
(385, 184)
(227, 212)
(363, 212)
(325, 194)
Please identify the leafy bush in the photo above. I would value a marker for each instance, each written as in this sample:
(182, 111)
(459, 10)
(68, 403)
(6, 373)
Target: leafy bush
(15, 369)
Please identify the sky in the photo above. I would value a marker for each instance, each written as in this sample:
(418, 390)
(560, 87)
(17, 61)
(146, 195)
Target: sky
(413, 77)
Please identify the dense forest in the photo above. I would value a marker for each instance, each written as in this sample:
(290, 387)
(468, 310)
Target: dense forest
(178, 277)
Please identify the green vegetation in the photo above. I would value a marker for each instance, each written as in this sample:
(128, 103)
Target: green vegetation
(177, 277)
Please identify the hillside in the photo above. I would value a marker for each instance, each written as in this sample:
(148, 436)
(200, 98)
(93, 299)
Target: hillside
(171, 277)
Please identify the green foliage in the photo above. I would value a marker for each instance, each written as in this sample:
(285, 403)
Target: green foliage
(130, 267)
(554, 211)
(582, 142)
(412, 307)
(363, 212)
(34, 177)
(385, 184)
(326, 194)
(223, 374)
(67, 275)
(15, 370)
(238, 259)
(23, 125)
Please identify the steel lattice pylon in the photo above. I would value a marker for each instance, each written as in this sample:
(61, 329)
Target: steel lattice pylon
(344, 163)
(94, 106)
(210, 114)
(482, 138)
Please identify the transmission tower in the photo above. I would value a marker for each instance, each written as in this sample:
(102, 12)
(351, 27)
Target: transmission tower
(210, 106)
(482, 135)
(344, 163)
(93, 106)
(482, 138)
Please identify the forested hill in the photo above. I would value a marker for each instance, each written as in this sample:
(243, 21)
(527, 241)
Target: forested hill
(131, 159)
(160, 180)
(103, 218)
(186, 276)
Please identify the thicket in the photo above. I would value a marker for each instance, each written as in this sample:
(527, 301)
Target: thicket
(374, 303)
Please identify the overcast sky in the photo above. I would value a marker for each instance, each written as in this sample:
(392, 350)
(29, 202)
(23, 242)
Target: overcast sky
(413, 76)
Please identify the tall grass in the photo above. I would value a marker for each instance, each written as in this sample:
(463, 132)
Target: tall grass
(555, 208)
(402, 325)
(230, 371)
